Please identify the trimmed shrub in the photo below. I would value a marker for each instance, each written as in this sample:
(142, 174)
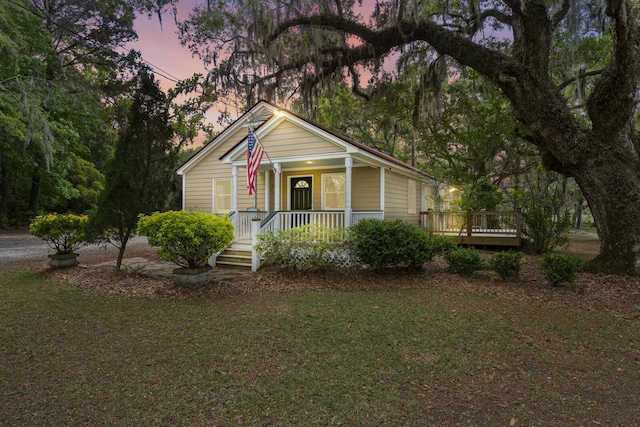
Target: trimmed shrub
(63, 233)
(464, 261)
(395, 243)
(506, 264)
(187, 238)
(560, 268)
(309, 247)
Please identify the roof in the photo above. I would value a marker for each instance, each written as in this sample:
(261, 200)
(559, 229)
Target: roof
(262, 105)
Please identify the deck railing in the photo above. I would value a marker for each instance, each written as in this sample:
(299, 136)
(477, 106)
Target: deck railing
(473, 222)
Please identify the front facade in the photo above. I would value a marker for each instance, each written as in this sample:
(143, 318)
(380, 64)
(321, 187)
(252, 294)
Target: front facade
(307, 174)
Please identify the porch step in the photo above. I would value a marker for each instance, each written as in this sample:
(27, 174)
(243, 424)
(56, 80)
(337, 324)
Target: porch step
(236, 255)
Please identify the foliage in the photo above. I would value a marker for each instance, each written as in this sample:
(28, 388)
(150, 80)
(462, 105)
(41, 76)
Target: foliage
(481, 194)
(309, 247)
(64, 233)
(442, 244)
(506, 264)
(546, 218)
(464, 261)
(187, 238)
(396, 243)
(560, 268)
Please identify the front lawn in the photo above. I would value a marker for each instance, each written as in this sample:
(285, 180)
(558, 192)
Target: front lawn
(404, 357)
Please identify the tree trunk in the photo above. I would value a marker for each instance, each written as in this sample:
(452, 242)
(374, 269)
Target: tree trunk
(612, 191)
(34, 194)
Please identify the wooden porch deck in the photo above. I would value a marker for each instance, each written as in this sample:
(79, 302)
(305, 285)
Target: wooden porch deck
(476, 228)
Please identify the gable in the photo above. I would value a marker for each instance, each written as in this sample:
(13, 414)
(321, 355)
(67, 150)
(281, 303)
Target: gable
(287, 139)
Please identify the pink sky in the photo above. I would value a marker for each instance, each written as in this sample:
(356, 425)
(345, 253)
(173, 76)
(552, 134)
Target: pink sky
(161, 49)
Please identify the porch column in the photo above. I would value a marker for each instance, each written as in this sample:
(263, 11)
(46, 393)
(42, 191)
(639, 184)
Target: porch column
(382, 190)
(276, 201)
(234, 196)
(348, 164)
(267, 188)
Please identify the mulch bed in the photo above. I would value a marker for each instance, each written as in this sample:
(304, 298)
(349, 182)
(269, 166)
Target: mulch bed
(619, 295)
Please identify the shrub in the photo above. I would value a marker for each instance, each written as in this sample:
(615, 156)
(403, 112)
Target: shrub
(464, 261)
(64, 233)
(506, 264)
(395, 243)
(187, 238)
(309, 247)
(441, 245)
(559, 268)
(544, 229)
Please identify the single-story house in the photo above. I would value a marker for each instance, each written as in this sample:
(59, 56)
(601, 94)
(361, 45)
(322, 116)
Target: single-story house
(308, 174)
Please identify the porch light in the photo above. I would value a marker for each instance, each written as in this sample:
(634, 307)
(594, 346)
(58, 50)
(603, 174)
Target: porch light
(309, 162)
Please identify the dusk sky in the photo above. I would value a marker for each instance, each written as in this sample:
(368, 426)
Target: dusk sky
(161, 48)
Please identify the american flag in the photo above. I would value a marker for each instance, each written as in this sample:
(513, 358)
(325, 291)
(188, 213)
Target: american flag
(254, 157)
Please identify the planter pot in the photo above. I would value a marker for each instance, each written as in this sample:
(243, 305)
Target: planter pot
(191, 278)
(63, 260)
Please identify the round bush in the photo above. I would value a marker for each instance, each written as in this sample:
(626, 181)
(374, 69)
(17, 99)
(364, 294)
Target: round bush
(506, 264)
(187, 238)
(395, 243)
(464, 261)
(64, 233)
(560, 268)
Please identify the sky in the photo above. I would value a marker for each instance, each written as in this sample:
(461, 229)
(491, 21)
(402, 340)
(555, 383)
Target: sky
(161, 49)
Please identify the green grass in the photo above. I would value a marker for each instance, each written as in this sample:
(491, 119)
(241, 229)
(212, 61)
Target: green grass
(68, 357)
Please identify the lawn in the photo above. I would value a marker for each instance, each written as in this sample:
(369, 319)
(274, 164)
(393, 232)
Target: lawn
(403, 357)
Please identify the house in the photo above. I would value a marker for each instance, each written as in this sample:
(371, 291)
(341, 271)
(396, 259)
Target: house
(308, 174)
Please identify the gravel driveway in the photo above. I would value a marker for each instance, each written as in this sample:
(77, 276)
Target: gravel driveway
(19, 245)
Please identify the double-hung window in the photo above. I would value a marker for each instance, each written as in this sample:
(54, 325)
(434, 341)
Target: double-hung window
(333, 191)
(221, 195)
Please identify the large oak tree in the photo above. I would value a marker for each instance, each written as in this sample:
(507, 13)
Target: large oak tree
(277, 47)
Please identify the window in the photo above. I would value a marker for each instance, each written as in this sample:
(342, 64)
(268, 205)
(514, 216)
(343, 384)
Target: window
(333, 191)
(222, 195)
(412, 197)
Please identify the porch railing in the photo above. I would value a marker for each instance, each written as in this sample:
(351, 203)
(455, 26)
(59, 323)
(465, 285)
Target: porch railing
(242, 222)
(285, 220)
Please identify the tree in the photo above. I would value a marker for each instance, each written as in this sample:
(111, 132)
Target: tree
(276, 47)
(141, 173)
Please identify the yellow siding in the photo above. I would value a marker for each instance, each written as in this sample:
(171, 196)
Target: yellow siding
(396, 197)
(365, 189)
(199, 179)
(288, 139)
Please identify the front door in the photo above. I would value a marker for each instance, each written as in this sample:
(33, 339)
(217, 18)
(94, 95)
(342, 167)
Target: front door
(301, 193)
(301, 198)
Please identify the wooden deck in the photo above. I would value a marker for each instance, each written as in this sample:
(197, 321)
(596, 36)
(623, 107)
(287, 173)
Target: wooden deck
(476, 228)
